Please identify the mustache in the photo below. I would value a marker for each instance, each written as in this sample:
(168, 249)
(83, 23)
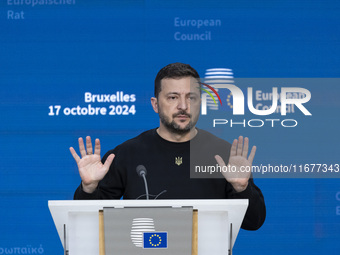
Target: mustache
(181, 113)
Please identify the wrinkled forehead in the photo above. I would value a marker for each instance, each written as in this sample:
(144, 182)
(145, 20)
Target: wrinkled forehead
(182, 85)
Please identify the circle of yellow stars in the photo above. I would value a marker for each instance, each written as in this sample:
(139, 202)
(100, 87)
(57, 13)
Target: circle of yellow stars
(159, 240)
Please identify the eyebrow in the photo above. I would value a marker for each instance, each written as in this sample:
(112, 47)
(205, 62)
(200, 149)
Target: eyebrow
(177, 93)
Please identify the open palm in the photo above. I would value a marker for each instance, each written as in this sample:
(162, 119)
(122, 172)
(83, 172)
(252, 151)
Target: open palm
(91, 169)
(239, 167)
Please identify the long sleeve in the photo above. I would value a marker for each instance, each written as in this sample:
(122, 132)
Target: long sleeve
(256, 212)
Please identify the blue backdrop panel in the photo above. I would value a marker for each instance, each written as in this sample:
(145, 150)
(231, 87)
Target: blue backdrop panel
(54, 53)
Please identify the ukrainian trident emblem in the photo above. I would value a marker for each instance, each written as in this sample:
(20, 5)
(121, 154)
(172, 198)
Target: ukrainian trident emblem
(178, 161)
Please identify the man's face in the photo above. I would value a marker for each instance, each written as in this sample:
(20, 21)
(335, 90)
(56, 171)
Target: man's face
(178, 104)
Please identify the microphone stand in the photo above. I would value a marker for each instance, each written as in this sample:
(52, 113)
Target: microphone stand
(146, 186)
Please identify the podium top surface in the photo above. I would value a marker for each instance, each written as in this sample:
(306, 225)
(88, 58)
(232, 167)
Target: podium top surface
(93, 205)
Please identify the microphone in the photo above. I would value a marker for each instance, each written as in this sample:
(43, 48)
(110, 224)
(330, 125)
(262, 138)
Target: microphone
(141, 171)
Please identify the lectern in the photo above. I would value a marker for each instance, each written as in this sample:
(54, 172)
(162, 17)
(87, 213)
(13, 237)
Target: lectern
(79, 224)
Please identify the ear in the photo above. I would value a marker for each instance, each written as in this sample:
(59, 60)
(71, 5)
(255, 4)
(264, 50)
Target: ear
(154, 104)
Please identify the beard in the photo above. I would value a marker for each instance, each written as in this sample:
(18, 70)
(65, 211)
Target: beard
(173, 126)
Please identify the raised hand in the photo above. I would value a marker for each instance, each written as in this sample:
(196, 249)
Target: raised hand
(91, 169)
(239, 167)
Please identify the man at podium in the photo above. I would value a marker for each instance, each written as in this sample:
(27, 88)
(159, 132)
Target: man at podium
(168, 154)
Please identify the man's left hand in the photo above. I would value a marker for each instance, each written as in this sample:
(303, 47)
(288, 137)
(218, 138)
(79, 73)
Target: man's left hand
(239, 167)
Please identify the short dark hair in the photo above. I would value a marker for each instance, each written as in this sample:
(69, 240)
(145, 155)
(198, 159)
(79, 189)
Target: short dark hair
(175, 70)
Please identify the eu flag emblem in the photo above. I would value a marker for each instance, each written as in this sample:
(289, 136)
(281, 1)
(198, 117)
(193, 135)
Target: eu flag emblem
(155, 240)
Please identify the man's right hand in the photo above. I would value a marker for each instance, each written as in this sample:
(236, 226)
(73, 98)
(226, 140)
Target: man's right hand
(90, 167)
